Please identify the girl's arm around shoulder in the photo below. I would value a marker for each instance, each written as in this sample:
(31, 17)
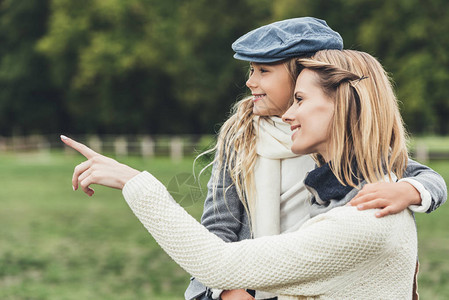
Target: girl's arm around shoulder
(421, 190)
(430, 185)
(295, 263)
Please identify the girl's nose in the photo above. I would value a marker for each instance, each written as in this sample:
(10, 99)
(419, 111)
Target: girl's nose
(251, 82)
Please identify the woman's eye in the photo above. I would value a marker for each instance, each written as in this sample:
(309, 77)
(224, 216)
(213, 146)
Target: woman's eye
(262, 70)
(298, 99)
(251, 71)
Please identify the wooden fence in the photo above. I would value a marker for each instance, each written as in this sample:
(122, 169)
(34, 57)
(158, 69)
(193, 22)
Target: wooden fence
(149, 146)
(117, 145)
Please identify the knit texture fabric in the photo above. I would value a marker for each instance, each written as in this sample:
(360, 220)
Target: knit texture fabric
(341, 254)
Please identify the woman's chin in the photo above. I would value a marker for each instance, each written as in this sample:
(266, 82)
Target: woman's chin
(299, 150)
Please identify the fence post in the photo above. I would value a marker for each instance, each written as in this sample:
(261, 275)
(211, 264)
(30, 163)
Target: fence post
(176, 148)
(147, 146)
(18, 143)
(95, 143)
(3, 146)
(121, 146)
(422, 152)
(42, 144)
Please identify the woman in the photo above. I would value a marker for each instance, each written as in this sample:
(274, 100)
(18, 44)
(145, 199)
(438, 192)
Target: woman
(256, 188)
(342, 253)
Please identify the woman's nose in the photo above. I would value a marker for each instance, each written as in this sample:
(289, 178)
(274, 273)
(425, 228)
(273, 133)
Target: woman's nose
(287, 116)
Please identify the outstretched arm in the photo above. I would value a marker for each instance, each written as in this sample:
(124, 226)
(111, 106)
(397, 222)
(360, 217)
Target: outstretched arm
(327, 246)
(422, 190)
(223, 216)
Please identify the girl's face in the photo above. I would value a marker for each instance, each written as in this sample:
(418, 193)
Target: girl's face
(310, 116)
(271, 87)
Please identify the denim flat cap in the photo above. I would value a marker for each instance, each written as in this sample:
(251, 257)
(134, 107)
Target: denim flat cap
(286, 39)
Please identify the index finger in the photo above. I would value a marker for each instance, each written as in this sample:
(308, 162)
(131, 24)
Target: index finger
(361, 193)
(81, 148)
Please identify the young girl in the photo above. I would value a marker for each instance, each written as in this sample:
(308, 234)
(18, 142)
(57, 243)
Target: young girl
(257, 188)
(346, 113)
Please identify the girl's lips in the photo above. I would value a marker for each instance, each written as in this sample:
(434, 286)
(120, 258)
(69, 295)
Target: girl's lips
(257, 97)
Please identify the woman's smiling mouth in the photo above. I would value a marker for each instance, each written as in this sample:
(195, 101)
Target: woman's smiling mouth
(295, 129)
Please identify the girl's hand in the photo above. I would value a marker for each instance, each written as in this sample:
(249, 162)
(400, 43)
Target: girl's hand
(392, 197)
(98, 169)
(236, 295)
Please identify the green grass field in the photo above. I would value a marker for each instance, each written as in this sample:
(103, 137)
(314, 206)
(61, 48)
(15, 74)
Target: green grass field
(60, 244)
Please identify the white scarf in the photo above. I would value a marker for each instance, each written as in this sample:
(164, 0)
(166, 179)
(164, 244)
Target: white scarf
(282, 201)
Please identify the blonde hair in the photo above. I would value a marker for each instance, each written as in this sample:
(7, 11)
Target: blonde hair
(367, 136)
(235, 150)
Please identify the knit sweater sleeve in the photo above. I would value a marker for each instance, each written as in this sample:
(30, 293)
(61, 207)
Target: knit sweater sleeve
(304, 262)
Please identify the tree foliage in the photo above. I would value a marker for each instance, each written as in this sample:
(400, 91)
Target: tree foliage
(135, 66)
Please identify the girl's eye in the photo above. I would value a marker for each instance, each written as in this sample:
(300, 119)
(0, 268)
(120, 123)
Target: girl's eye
(298, 99)
(251, 71)
(262, 70)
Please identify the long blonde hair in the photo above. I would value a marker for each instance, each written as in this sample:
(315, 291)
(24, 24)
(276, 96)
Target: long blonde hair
(367, 135)
(235, 149)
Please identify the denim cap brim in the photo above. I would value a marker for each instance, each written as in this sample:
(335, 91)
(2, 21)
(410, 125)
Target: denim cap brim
(286, 39)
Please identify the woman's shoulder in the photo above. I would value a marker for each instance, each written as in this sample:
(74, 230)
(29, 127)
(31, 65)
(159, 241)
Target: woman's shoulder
(351, 214)
(357, 224)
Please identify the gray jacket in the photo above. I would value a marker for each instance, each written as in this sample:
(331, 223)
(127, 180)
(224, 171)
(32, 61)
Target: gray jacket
(228, 219)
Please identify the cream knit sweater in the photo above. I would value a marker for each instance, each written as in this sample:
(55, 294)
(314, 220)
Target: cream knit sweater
(341, 254)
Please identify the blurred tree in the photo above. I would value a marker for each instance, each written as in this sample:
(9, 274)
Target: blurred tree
(106, 56)
(28, 101)
(146, 66)
(116, 66)
(208, 78)
(410, 39)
